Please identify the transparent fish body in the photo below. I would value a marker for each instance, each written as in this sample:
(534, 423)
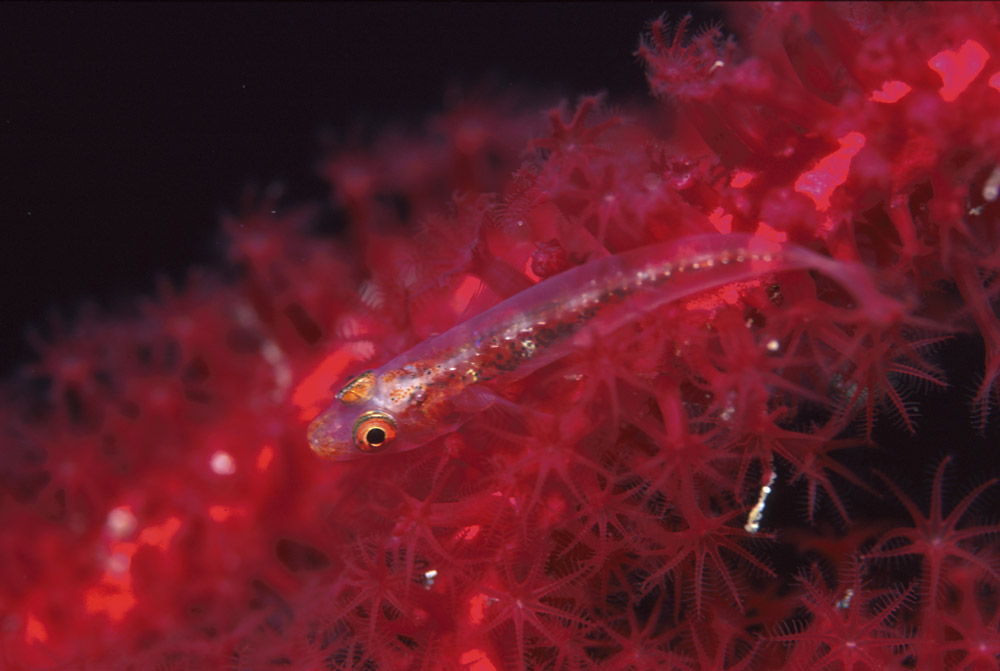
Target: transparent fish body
(438, 385)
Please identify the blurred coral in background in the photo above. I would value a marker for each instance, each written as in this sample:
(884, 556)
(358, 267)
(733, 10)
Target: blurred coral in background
(696, 491)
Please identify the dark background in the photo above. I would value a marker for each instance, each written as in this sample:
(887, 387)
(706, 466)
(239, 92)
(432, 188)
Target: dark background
(125, 130)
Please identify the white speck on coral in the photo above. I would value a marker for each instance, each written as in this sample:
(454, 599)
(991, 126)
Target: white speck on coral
(429, 577)
(991, 189)
(120, 522)
(845, 603)
(222, 463)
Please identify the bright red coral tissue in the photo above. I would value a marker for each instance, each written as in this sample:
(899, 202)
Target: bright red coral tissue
(707, 487)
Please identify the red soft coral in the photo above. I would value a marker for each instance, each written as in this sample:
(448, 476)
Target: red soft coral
(936, 538)
(850, 627)
(624, 506)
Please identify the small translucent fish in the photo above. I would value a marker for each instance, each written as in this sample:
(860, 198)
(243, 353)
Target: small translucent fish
(435, 387)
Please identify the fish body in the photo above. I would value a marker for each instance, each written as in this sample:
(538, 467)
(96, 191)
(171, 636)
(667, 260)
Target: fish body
(435, 387)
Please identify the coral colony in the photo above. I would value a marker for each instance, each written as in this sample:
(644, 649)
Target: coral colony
(687, 482)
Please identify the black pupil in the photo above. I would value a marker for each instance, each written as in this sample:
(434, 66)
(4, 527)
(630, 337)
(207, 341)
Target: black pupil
(375, 437)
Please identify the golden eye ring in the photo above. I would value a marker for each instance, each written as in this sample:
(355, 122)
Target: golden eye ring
(374, 430)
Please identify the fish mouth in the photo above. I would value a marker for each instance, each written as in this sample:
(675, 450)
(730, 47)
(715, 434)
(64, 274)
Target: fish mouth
(320, 435)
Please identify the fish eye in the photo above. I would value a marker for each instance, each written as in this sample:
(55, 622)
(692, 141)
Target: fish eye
(374, 430)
